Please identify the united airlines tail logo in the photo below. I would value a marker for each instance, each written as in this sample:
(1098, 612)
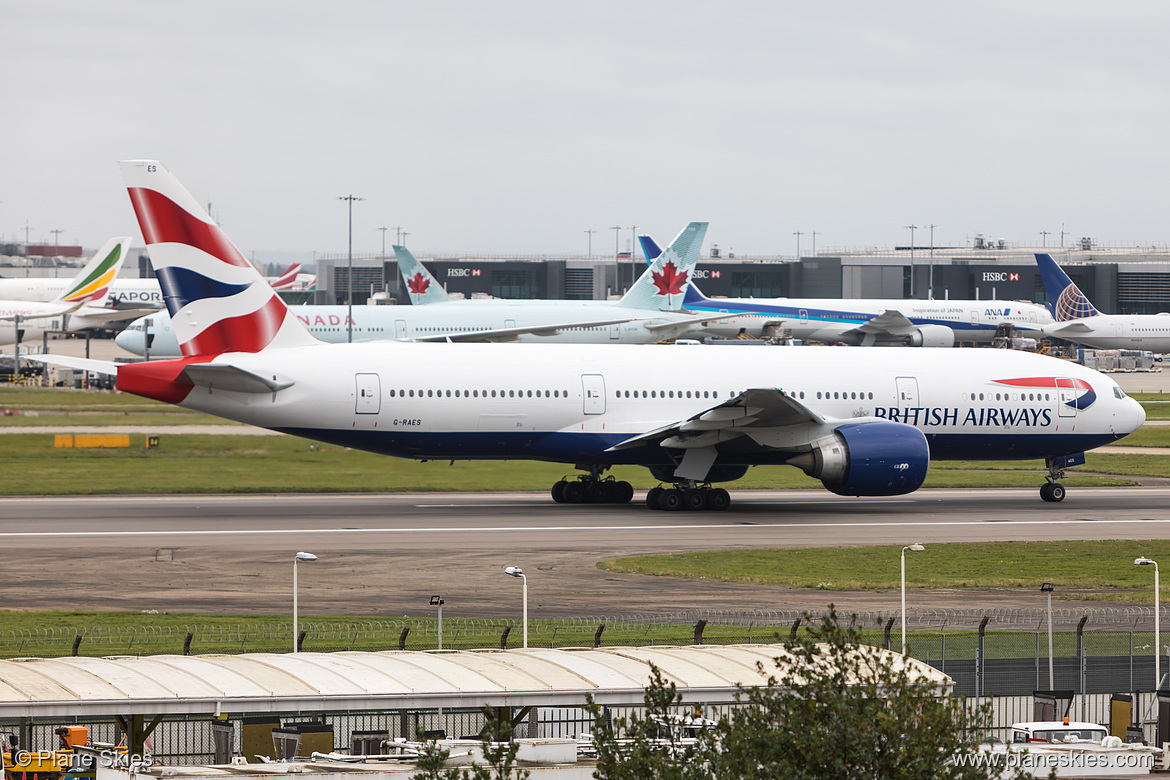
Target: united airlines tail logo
(1082, 394)
(670, 281)
(1073, 305)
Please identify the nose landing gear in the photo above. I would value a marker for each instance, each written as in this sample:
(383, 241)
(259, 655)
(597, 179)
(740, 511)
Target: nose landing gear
(1052, 490)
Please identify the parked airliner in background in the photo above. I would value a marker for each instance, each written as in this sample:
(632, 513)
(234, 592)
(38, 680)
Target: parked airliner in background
(1077, 320)
(649, 312)
(135, 293)
(864, 422)
(80, 306)
(864, 321)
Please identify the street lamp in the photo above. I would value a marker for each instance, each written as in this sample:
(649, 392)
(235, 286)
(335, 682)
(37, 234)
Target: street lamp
(1047, 588)
(1144, 561)
(301, 556)
(912, 548)
(516, 571)
(911, 228)
(349, 273)
(437, 601)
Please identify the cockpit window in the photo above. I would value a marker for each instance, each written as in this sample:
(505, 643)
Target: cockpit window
(1118, 392)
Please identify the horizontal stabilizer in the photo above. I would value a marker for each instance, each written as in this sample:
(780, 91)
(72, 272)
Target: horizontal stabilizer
(217, 377)
(77, 363)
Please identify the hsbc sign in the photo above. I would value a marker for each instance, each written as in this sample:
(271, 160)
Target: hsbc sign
(1000, 276)
(705, 274)
(462, 272)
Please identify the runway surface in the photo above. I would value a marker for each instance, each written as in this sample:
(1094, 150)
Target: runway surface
(386, 554)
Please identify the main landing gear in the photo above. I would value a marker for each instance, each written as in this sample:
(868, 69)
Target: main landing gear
(688, 496)
(1053, 490)
(591, 488)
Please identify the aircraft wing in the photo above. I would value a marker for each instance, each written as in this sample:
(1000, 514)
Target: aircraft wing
(697, 320)
(752, 409)
(507, 334)
(1073, 327)
(889, 322)
(96, 316)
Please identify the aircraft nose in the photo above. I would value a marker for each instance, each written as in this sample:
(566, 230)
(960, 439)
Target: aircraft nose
(1132, 417)
(130, 340)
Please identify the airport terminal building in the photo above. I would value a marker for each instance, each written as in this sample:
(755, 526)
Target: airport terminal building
(1119, 281)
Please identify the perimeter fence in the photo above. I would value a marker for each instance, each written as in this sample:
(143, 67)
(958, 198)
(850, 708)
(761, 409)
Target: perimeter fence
(987, 652)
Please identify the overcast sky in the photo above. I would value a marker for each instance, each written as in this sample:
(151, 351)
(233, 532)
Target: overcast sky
(513, 127)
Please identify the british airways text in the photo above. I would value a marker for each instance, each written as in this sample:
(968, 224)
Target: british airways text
(937, 416)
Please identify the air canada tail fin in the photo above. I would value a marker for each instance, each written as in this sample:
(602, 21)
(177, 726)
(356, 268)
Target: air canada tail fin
(218, 302)
(92, 285)
(1065, 300)
(421, 286)
(664, 284)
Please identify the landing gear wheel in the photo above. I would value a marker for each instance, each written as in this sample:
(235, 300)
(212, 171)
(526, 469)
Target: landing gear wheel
(671, 500)
(558, 491)
(695, 499)
(1052, 491)
(621, 492)
(574, 492)
(599, 492)
(718, 500)
(652, 497)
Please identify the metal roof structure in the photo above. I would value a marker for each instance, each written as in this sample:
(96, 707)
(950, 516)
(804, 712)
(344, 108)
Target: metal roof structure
(389, 680)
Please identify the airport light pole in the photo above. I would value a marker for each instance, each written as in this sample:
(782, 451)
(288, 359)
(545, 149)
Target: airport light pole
(349, 274)
(383, 241)
(1044, 234)
(633, 248)
(798, 234)
(1144, 561)
(911, 228)
(617, 233)
(912, 548)
(516, 571)
(1047, 588)
(301, 556)
(437, 601)
(930, 275)
(814, 235)
(590, 232)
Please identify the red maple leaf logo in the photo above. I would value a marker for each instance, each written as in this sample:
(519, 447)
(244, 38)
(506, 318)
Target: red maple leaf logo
(418, 284)
(670, 281)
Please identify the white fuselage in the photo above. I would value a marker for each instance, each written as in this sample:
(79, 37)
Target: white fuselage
(829, 319)
(571, 404)
(374, 323)
(1149, 332)
(140, 293)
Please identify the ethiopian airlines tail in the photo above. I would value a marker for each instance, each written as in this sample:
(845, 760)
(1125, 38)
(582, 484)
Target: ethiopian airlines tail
(664, 284)
(421, 286)
(1065, 300)
(218, 302)
(92, 285)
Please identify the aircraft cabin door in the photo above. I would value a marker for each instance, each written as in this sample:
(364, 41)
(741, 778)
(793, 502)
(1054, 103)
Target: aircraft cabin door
(593, 391)
(615, 332)
(399, 329)
(368, 394)
(1066, 398)
(907, 392)
(803, 316)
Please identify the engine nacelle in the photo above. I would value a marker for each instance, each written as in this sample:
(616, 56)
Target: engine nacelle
(869, 459)
(931, 336)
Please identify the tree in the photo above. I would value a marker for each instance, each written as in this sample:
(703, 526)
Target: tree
(499, 754)
(834, 708)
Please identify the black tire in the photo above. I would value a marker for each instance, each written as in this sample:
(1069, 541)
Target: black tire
(558, 491)
(599, 492)
(574, 492)
(695, 499)
(671, 500)
(718, 500)
(1057, 492)
(652, 497)
(623, 492)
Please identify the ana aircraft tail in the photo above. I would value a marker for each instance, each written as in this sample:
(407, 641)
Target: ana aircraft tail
(1065, 300)
(664, 284)
(421, 286)
(92, 285)
(218, 302)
